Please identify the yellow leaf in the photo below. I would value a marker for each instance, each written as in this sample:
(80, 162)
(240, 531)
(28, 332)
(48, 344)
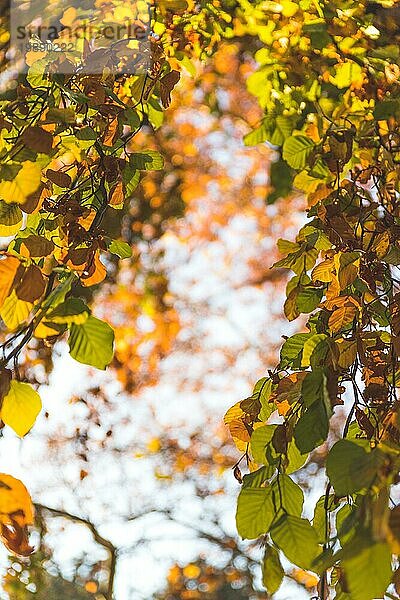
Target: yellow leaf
(20, 407)
(15, 311)
(97, 272)
(347, 266)
(43, 330)
(381, 244)
(332, 292)
(10, 219)
(287, 247)
(8, 270)
(342, 317)
(347, 352)
(233, 413)
(25, 183)
(323, 271)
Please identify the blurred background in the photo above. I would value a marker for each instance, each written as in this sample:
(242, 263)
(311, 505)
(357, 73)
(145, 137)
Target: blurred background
(131, 470)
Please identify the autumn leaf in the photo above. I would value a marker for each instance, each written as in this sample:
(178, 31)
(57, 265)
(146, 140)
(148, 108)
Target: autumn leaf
(167, 84)
(16, 514)
(25, 182)
(20, 407)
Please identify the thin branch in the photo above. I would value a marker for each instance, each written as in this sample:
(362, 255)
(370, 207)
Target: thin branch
(107, 544)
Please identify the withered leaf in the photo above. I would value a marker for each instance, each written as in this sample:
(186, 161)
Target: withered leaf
(15, 538)
(5, 379)
(32, 285)
(364, 423)
(279, 440)
(38, 140)
(167, 84)
(61, 179)
(34, 201)
(237, 474)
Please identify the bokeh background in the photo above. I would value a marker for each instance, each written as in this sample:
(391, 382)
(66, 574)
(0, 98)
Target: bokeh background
(131, 470)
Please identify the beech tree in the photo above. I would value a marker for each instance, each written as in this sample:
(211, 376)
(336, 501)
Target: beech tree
(328, 83)
(72, 155)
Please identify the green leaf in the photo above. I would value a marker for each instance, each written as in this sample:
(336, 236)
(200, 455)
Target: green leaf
(264, 453)
(272, 570)
(255, 512)
(314, 388)
(296, 151)
(257, 478)
(346, 522)
(385, 110)
(149, 160)
(282, 130)
(368, 570)
(296, 459)
(314, 346)
(73, 310)
(260, 440)
(292, 349)
(312, 428)
(20, 407)
(288, 495)
(307, 299)
(263, 389)
(319, 520)
(297, 539)
(130, 178)
(273, 129)
(91, 343)
(281, 180)
(119, 248)
(351, 468)
(257, 136)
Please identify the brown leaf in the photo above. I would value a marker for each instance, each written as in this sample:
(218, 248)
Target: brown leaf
(32, 285)
(38, 140)
(394, 522)
(117, 195)
(237, 474)
(167, 84)
(5, 380)
(37, 246)
(34, 201)
(279, 440)
(251, 406)
(364, 423)
(16, 539)
(61, 179)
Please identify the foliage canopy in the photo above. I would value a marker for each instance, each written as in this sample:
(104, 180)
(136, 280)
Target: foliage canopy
(327, 84)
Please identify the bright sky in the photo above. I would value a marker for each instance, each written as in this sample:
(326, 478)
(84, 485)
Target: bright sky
(226, 316)
(235, 317)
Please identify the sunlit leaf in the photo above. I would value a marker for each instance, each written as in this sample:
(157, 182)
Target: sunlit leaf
(297, 539)
(351, 467)
(19, 187)
(296, 151)
(20, 407)
(92, 342)
(255, 512)
(272, 570)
